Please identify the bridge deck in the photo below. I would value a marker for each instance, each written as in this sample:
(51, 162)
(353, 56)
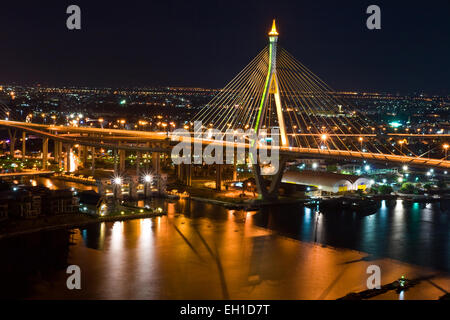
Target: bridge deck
(66, 134)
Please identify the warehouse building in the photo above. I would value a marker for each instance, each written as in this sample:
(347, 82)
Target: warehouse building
(327, 181)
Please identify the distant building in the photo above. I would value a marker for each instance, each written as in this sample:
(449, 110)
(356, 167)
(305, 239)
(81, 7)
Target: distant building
(326, 181)
(92, 202)
(25, 202)
(350, 168)
(307, 163)
(60, 202)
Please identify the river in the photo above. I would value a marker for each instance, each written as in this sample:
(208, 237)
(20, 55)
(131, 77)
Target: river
(204, 251)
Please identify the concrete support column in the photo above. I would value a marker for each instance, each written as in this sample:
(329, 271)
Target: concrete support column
(147, 189)
(188, 174)
(24, 143)
(260, 183)
(156, 162)
(138, 163)
(60, 151)
(68, 148)
(116, 173)
(134, 182)
(12, 142)
(276, 179)
(100, 187)
(122, 155)
(84, 156)
(218, 177)
(147, 164)
(235, 168)
(117, 191)
(44, 153)
(56, 151)
(93, 160)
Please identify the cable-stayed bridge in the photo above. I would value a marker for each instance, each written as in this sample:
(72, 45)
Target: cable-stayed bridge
(274, 94)
(275, 91)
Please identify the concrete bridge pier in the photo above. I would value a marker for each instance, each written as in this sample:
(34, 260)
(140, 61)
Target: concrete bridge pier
(272, 193)
(147, 189)
(276, 179)
(138, 163)
(44, 153)
(117, 191)
(260, 183)
(188, 174)
(122, 155)
(147, 157)
(134, 182)
(58, 153)
(67, 167)
(84, 156)
(235, 168)
(93, 160)
(218, 177)
(24, 143)
(101, 188)
(12, 141)
(116, 173)
(156, 162)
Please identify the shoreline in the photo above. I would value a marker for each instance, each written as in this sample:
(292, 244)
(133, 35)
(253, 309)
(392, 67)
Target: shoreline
(84, 220)
(252, 204)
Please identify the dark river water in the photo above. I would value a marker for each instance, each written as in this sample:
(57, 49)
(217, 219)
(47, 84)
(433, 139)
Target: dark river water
(174, 256)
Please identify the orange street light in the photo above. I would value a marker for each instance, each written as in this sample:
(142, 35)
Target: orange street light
(401, 142)
(361, 139)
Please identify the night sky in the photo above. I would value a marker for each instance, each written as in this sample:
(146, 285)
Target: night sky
(205, 43)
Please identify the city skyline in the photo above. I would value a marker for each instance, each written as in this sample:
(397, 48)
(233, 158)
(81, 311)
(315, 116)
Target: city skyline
(204, 46)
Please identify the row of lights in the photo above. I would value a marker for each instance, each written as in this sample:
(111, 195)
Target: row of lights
(146, 178)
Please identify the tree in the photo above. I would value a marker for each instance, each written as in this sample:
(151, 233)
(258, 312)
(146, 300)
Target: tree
(407, 188)
(384, 189)
(332, 168)
(442, 185)
(428, 186)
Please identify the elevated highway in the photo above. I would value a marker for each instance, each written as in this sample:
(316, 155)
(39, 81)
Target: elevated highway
(144, 141)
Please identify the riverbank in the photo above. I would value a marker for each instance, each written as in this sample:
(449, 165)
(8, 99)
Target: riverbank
(249, 204)
(68, 221)
(227, 258)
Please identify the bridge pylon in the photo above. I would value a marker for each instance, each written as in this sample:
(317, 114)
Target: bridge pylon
(272, 87)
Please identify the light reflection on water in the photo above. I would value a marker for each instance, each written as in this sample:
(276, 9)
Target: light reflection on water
(410, 232)
(180, 251)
